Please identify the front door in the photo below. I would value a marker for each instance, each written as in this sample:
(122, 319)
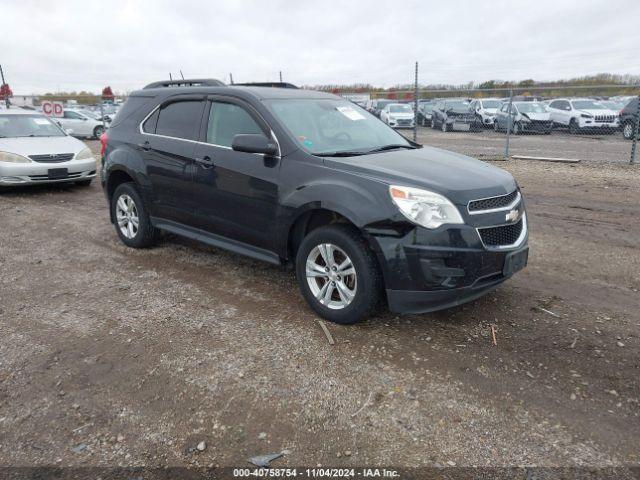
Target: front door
(236, 193)
(167, 146)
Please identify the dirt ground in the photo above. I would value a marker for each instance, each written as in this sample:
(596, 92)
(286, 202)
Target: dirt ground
(113, 356)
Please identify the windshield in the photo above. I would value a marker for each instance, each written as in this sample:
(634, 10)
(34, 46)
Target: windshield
(380, 104)
(529, 107)
(327, 125)
(586, 105)
(491, 103)
(456, 105)
(400, 109)
(12, 126)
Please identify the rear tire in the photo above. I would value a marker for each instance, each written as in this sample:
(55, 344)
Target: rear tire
(496, 128)
(328, 300)
(128, 209)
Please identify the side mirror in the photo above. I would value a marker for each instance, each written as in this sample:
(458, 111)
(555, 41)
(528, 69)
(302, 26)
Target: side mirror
(68, 131)
(253, 143)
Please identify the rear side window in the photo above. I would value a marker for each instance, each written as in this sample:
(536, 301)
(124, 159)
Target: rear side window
(227, 120)
(180, 119)
(149, 126)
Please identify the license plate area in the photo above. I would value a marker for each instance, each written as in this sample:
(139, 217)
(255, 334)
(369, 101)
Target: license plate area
(515, 262)
(57, 173)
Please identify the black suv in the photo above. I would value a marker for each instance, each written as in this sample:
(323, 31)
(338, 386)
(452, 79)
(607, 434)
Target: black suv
(454, 114)
(628, 117)
(308, 178)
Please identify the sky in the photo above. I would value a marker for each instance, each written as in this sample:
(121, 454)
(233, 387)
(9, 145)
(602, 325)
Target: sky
(70, 45)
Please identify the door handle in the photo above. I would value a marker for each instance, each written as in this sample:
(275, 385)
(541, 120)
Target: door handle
(205, 162)
(145, 146)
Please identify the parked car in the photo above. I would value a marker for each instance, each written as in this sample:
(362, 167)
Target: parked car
(453, 114)
(81, 123)
(485, 109)
(304, 177)
(378, 104)
(526, 117)
(628, 117)
(35, 150)
(582, 114)
(397, 115)
(425, 108)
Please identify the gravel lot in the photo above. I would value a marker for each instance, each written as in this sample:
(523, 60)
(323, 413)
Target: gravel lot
(112, 356)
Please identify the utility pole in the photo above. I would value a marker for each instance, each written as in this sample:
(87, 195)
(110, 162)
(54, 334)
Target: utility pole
(415, 107)
(6, 98)
(231, 78)
(509, 126)
(280, 76)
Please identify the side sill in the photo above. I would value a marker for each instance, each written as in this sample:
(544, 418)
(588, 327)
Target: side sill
(216, 240)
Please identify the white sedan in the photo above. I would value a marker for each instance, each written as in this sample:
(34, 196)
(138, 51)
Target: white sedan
(35, 150)
(82, 124)
(397, 115)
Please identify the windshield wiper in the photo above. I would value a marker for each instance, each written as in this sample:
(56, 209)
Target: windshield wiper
(343, 153)
(390, 147)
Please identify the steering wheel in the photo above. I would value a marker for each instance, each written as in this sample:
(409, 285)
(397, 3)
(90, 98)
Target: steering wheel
(344, 135)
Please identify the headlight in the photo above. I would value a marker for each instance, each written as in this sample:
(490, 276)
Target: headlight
(84, 154)
(585, 115)
(13, 158)
(425, 208)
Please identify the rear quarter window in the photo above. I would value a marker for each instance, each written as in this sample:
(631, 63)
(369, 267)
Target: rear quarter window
(132, 105)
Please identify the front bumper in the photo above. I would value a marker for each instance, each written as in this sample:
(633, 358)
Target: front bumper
(589, 124)
(537, 127)
(401, 124)
(428, 270)
(35, 173)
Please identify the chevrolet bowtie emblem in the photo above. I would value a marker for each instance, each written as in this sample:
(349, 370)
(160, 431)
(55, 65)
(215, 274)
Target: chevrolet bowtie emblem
(513, 216)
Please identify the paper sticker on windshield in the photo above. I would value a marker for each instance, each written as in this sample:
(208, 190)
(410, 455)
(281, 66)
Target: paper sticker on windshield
(350, 113)
(41, 121)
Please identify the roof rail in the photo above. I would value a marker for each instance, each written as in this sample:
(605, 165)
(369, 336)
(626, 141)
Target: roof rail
(266, 84)
(200, 82)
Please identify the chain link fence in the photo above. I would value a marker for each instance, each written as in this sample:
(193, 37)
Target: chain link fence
(555, 123)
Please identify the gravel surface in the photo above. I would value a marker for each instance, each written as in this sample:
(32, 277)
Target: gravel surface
(188, 355)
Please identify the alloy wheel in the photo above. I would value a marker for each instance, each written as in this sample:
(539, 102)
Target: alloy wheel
(127, 216)
(331, 276)
(627, 131)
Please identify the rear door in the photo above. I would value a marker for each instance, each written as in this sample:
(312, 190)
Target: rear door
(168, 143)
(76, 122)
(236, 193)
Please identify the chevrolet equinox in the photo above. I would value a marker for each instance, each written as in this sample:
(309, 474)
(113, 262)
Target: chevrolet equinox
(295, 176)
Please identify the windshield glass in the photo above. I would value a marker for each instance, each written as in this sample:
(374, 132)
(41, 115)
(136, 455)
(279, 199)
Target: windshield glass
(327, 125)
(457, 105)
(529, 107)
(586, 105)
(400, 109)
(491, 103)
(28, 126)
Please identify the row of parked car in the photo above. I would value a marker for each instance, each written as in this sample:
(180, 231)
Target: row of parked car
(85, 121)
(521, 115)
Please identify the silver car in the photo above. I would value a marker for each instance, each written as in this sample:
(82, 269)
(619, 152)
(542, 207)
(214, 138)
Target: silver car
(34, 150)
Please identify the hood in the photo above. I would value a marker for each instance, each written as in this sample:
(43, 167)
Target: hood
(26, 146)
(458, 177)
(538, 116)
(490, 110)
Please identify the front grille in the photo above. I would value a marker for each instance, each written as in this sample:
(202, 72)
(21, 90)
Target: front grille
(46, 177)
(404, 122)
(501, 236)
(493, 202)
(53, 158)
(605, 118)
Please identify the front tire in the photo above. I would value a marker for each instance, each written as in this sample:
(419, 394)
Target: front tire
(99, 130)
(627, 131)
(131, 218)
(338, 274)
(573, 127)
